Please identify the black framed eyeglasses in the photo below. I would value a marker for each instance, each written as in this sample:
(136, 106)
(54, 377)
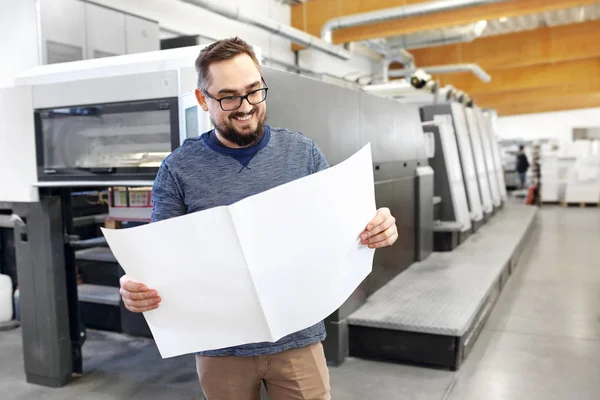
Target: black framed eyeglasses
(230, 103)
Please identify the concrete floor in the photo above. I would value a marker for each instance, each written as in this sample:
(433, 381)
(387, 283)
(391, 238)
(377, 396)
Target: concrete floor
(542, 341)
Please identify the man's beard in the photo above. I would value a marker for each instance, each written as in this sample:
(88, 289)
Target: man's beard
(228, 132)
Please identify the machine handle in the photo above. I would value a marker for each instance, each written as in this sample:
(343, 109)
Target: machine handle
(104, 171)
(18, 222)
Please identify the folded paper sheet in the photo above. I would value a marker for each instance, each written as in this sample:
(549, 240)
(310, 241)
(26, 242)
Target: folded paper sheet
(257, 270)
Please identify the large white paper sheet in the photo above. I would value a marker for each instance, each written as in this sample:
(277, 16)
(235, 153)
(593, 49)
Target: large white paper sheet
(258, 270)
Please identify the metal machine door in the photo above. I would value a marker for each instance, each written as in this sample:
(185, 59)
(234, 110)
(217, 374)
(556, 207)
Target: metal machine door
(466, 158)
(490, 119)
(489, 157)
(457, 186)
(482, 175)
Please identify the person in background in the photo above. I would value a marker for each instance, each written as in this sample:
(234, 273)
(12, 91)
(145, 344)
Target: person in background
(522, 165)
(241, 157)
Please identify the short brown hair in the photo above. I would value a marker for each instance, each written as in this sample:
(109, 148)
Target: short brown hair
(221, 50)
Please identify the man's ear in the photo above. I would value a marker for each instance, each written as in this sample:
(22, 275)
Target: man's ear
(201, 99)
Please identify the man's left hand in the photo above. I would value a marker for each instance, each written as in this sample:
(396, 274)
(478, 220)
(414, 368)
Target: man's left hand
(381, 231)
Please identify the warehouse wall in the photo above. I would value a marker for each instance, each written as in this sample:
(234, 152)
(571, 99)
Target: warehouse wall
(18, 46)
(188, 19)
(557, 125)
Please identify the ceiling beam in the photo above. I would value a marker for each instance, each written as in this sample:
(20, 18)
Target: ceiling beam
(540, 46)
(536, 76)
(573, 102)
(548, 69)
(538, 94)
(312, 15)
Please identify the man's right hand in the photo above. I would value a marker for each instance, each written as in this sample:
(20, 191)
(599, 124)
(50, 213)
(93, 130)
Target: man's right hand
(137, 297)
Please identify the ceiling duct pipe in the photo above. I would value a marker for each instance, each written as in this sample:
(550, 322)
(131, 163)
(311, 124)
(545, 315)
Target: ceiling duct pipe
(385, 68)
(404, 56)
(397, 55)
(232, 11)
(394, 13)
(444, 69)
(400, 55)
(440, 37)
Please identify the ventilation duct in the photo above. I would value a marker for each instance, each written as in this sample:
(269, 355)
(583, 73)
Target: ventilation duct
(390, 14)
(462, 34)
(400, 55)
(232, 11)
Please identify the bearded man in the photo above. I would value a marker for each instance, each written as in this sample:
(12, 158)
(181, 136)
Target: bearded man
(241, 157)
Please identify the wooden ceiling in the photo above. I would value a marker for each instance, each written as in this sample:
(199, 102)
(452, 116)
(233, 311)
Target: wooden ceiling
(546, 69)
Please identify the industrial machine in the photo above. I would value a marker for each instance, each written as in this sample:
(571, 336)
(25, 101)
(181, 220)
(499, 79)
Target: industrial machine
(453, 224)
(341, 121)
(92, 126)
(125, 139)
(484, 132)
(490, 117)
(456, 111)
(477, 158)
(100, 125)
(483, 177)
(70, 133)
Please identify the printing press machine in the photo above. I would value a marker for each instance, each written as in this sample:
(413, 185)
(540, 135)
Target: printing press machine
(433, 164)
(472, 158)
(432, 313)
(456, 112)
(470, 154)
(87, 129)
(453, 221)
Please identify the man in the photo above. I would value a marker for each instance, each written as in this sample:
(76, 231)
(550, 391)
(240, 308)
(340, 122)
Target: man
(243, 156)
(522, 165)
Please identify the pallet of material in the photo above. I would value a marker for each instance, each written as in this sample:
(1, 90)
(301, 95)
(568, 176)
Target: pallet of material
(582, 205)
(551, 203)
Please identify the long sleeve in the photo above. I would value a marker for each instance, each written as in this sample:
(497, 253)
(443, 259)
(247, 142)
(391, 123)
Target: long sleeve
(320, 162)
(167, 196)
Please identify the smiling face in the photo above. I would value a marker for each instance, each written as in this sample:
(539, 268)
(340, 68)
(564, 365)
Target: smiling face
(237, 76)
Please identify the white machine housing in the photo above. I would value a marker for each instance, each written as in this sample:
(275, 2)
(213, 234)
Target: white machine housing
(152, 75)
(480, 164)
(489, 156)
(456, 111)
(491, 117)
(467, 162)
(453, 169)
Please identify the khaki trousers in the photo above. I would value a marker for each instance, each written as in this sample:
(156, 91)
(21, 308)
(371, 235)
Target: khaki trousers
(293, 374)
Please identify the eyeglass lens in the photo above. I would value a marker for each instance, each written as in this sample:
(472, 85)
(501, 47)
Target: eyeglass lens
(233, 102)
